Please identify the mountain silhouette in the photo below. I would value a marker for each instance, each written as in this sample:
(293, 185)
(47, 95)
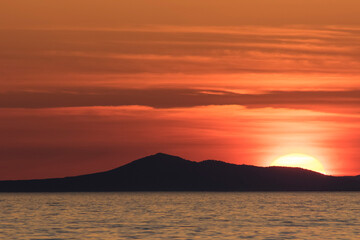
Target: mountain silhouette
(163, 172)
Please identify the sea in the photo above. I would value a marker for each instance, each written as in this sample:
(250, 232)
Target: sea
(180, 215)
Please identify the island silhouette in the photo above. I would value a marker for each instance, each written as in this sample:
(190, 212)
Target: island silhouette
(163, 172)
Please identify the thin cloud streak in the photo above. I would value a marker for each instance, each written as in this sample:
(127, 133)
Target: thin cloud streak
(67, 57)
(180, 98)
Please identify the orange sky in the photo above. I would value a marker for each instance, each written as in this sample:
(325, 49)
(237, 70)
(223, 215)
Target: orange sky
(86, 86)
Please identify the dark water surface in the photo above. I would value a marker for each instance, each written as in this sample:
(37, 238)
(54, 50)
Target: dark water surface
(304, 215)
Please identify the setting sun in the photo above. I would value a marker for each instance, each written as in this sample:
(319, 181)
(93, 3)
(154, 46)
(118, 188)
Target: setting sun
(301, 161)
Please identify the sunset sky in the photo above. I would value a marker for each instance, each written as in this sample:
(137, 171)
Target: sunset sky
(86, 86)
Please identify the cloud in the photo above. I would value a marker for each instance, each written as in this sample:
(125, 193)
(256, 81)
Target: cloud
(180, 98)
(69, 57)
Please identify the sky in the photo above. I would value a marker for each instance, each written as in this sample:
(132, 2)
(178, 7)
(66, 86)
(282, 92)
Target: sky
(87, 86)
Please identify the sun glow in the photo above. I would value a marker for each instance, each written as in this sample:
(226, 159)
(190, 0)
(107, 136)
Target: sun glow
(301, 161)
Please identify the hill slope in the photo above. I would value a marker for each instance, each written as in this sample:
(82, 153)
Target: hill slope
(162, 172)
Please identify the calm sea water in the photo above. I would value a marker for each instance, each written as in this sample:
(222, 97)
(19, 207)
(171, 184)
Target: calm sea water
(180, 216)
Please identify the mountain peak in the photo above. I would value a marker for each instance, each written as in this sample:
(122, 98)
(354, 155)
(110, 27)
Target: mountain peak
(159, 159)
(160, 154)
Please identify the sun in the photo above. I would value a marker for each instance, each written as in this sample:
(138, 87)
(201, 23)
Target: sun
(300, 160)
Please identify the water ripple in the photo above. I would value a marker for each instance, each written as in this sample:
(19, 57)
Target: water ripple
(95, 216)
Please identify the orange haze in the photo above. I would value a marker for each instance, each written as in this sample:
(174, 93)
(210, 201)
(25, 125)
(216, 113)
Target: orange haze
(86, 86)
